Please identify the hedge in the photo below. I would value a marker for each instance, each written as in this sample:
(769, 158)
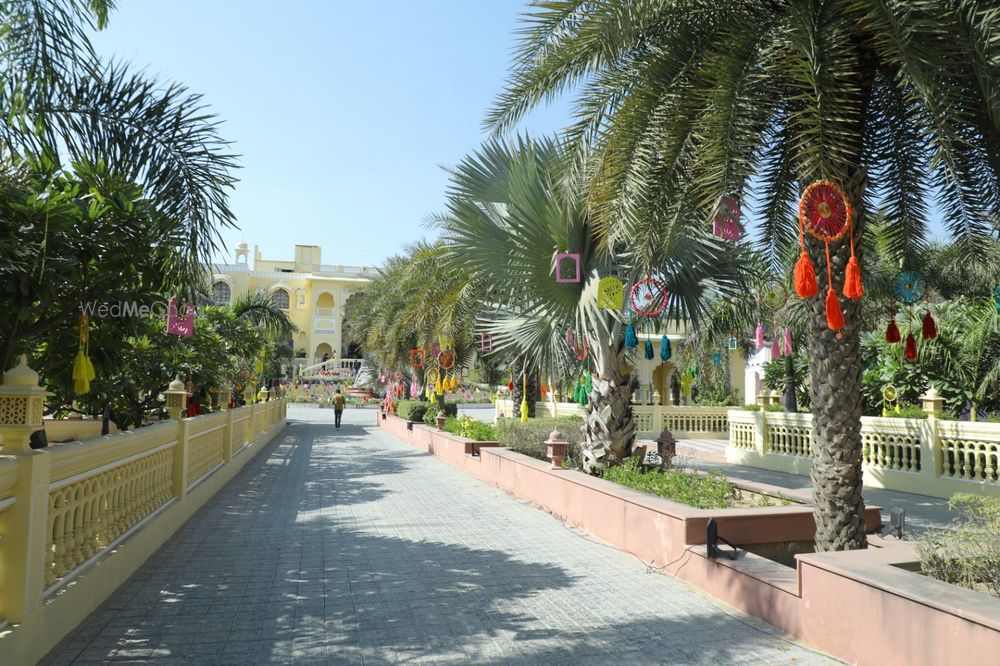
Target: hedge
(529, 438)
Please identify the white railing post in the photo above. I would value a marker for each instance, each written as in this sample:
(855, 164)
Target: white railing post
(760, 431)
(931, 454)
(180, 463)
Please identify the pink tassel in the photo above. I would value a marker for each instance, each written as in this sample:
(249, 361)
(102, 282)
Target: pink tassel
(788, 342)
(760, 336)
(775, 349)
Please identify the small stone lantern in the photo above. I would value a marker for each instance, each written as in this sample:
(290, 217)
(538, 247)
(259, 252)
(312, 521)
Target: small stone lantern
(176, 396)
(248, 394)
(264, 394)
(666, 447)
(225, 395)
(441, 419)
(557, 448)
(932, 402)
(21, 407)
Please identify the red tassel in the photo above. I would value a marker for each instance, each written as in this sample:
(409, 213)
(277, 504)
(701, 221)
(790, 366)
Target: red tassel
(911, 347)
(892, 332)
(929, 330)
(805, 277)
(510, 386)
(834, 316)
(853, 288)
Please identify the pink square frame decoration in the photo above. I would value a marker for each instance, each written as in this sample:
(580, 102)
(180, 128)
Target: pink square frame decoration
(562, 256)
(486, 342)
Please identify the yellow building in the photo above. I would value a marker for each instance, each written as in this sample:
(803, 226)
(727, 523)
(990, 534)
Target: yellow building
(311, 292)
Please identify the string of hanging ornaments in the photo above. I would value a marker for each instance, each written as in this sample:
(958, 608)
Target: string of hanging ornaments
(909, 288)
(996, 298)
(578, 345)
(773, 296)
(826, 213)
(648, 298)
(726, 224)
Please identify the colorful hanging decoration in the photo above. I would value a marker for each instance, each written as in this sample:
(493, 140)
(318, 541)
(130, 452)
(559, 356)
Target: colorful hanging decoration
(567, 267)
(417, 358)
(446, 359)
(726, 224)
(827, 215)
(775, 348)
(610, 293)
(83, 369)
(759, 336)
(578, 345)
(649, 350)
(716, 359)
(415, 389)
(524, 399)
(890, 396)
(178, 325)
(665, 351)
(996, 298)
(911, 347)
(649, 297)
(908, 287)
(631, 340)
(892, 332)
(928, 328)
(788, 342)
(486, 342)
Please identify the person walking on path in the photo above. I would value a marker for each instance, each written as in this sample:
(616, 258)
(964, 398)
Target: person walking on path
(338, 407)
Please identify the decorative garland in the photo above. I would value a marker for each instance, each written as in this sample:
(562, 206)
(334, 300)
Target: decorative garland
(826, 213)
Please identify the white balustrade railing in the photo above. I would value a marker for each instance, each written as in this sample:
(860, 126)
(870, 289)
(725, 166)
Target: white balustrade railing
(927, 456)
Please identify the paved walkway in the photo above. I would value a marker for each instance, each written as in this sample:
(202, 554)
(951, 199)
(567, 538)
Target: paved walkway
(349, 547)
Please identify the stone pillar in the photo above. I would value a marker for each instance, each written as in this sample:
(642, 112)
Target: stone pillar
(931, 457)
(23, 554)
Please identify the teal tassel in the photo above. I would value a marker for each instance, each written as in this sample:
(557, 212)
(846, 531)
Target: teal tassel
(649, 349)
(665, 351)
(630, 340)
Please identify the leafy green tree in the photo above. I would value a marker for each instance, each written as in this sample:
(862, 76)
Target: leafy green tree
(680, 104)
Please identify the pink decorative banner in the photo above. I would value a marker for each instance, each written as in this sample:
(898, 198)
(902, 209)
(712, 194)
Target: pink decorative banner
(178, 325)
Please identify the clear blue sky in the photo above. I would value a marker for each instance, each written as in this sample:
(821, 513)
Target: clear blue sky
(342, 112)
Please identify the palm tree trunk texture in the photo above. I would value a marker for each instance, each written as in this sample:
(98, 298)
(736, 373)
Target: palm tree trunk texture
(835, 359)
(609, 425)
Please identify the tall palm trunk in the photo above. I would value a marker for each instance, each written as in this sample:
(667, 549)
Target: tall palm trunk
(835, 359)
(609, 425)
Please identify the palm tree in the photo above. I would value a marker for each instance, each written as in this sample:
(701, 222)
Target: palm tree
(680, 104)
(64, 108)
(510, 210)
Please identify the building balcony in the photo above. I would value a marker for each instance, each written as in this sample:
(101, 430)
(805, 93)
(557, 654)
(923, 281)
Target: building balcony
(324, 312)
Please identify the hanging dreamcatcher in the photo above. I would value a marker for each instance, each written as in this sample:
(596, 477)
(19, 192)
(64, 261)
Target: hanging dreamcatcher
(909, 288)
(610, 293)
(578, 345)
(433, 379)
(649, 297)
(726, 224)
(890, 397)
(446, 359)
(827, 215)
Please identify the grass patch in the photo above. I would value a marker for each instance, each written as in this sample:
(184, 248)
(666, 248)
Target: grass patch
(529, 438)
(969, 555)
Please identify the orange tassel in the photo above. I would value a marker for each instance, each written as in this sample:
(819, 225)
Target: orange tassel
(834, 316)
(805, 277)
(852, 282)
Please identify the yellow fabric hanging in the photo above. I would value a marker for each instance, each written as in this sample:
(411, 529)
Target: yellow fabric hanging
(524, 399)
(83, 369)
(438, 387)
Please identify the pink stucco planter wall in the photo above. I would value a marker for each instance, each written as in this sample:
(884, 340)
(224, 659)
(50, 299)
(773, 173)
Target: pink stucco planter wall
(857, 606)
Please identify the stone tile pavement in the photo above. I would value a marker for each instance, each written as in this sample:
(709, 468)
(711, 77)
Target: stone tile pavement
(348, 547)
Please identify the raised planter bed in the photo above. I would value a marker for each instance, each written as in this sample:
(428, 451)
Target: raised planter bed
(861, 606)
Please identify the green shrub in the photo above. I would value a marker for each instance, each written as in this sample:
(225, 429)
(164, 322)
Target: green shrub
(529, 438)
(969, 554)
(411, 410)
(704, 492)
(750, 408)
(717, 396)
(775, 407)
(430, 416)
(907, 411)
(466, 426)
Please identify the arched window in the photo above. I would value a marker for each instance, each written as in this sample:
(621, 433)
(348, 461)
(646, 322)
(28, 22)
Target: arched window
(280, 299)
(221, 293)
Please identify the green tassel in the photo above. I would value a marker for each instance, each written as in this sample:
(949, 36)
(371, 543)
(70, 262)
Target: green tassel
(631, 341)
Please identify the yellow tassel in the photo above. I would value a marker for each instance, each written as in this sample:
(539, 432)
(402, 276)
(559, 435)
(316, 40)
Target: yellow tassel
(524, 409)
(438, 387)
